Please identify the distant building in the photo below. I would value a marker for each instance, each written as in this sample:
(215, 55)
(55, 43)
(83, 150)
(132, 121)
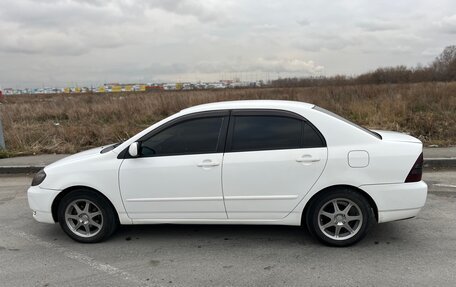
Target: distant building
(149, 88)
(7, 91)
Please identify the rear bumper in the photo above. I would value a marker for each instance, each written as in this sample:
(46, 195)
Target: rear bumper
(40, 201)
(397, 201)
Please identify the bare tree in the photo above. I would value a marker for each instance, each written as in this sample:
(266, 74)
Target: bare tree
(445, 64)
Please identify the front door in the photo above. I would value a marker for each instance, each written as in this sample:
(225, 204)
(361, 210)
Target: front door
(178, 174)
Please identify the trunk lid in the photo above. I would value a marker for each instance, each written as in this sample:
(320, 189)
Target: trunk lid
(397, 137)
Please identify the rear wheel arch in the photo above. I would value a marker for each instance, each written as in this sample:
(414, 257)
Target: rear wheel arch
(63, 193)
(334, 188)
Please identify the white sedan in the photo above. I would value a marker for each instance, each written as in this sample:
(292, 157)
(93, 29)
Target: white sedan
(240, 162)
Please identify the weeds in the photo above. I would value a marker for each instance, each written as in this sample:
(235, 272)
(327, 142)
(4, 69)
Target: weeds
(70, 123)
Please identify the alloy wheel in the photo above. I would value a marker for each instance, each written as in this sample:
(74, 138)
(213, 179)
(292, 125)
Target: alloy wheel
(340, 219)
(84, 218)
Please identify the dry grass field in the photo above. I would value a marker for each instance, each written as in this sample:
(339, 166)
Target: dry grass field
(70, 123)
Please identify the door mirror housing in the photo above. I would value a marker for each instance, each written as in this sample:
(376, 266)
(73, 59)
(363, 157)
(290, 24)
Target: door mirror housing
(133, 149)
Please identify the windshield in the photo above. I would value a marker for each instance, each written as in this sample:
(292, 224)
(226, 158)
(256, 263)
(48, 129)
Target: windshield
(347, 121)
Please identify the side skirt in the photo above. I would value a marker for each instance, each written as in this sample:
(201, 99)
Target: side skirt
(293, 219)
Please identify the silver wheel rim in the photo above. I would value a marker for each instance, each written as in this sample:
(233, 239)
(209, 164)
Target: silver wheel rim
(340, 219)
(84, 218)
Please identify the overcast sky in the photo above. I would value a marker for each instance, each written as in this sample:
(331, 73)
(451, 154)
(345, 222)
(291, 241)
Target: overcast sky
(67, 42)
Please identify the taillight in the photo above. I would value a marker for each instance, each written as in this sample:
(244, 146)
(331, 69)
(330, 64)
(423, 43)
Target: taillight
(417, 170)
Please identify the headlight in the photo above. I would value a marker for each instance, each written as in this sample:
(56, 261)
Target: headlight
(39, 177)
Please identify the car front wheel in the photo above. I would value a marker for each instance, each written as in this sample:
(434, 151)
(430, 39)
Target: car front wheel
(86, 216)
(339, 218)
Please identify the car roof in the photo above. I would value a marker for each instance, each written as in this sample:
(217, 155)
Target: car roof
(249, 104)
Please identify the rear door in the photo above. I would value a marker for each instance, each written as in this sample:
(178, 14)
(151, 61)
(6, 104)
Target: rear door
(272, 160)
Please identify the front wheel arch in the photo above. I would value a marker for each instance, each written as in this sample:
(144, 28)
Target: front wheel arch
(58, 199)
(338, 187)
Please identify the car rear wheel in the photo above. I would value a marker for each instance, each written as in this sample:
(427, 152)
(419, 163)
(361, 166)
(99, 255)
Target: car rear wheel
(339, 218)
(87, 216)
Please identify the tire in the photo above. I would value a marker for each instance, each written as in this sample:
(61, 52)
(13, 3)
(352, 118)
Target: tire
(86, 216)
(344, 226)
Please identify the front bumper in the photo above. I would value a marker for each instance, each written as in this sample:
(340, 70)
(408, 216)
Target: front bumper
(397, 201)
(40, 201)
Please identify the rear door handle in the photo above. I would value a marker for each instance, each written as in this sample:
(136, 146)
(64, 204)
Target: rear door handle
(208, 163)
(308, 158)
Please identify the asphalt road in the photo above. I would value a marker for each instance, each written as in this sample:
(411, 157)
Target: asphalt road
(418, 252)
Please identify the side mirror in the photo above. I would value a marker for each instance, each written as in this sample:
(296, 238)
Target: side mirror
(133, 149)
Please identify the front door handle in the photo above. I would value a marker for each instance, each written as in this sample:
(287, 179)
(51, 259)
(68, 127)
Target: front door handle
(208, 163)
(308, 159)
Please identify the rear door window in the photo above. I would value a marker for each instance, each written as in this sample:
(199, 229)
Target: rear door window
(266, 132)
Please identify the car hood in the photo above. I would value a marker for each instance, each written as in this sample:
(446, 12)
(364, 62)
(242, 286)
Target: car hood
(94, 152)
(397, 137)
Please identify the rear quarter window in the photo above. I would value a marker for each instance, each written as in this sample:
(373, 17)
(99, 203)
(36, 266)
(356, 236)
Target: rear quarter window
(310, 137)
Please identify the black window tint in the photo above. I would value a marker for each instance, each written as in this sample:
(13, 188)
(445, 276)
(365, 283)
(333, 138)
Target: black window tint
(265, 133)
(310, 137)
(189, 137)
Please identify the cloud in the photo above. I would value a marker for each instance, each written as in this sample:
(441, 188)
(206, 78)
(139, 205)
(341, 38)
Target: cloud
(261, 64)
(165, 69)
(66, 41)
(42, 42)
(265, 27)
(303, 22)
(431, 52)
(204, 11)
(59, 43)
(328, 42)
(58, 27)
(211, 69)
(49, 12)
(400, 49)
(59, 14)
(447, 24)
(75, 27)
(288, 65)
(274, 65)
(378, 25)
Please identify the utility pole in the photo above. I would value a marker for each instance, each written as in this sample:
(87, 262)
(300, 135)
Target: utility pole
(2, 138)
